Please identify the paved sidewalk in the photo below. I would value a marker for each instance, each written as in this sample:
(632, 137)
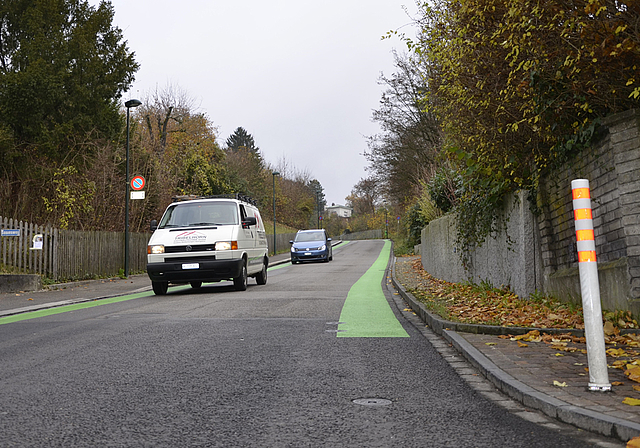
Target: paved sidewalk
(527, 374)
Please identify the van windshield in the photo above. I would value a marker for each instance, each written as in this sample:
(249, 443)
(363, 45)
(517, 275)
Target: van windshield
(200, 214)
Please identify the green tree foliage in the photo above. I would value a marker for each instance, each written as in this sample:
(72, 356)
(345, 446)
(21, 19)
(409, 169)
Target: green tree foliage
(364, 196)
(520, 86)
(241, 139)
(176, 149)
(317, 192)
(295, 204)
(63, 68)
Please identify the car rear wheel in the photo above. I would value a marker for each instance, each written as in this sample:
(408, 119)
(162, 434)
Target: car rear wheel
(261, 277)
(240, 283)
(160, 288)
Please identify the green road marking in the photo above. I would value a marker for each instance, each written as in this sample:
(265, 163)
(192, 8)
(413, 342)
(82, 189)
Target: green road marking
(83, 305)
(366, 312)
(279, 266)
(73, 307)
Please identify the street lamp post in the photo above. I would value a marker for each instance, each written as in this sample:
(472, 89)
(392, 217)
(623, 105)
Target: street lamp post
(386, 220)
(129, 104)
(318, 206)
(274, 174)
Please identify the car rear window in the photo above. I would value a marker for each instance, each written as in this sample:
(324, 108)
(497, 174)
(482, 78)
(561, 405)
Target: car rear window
(309, 236)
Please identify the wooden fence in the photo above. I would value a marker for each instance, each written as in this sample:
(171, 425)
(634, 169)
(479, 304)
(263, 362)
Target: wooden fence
(68, 254)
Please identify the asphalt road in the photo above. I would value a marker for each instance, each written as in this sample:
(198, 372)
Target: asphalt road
(260, 368)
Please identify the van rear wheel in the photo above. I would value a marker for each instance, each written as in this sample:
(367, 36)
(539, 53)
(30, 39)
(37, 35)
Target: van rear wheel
(160, 288)
(240, 283)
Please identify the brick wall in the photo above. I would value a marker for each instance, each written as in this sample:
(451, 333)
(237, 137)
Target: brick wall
(612, 166)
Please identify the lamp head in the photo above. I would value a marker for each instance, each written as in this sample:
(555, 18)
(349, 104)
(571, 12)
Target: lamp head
(132, 103)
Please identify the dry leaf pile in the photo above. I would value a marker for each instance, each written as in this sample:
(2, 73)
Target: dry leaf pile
(484, 304)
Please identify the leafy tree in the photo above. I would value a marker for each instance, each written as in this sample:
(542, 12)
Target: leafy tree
(406, 151)
(176, 149)
(364, 196)
(317, 192)
(63, 68)
(295, 204)
(519, 87)
(241, 139)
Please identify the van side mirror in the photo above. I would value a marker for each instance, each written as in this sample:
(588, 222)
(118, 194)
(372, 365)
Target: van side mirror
(154, 225)
(249, 221)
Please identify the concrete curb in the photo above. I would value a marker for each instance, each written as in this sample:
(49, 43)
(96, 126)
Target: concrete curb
(582, 418)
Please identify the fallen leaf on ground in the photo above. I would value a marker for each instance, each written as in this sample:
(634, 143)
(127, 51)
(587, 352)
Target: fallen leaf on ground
(617, 383)
(631, 401)
(633, 372)
(609, 329)
(634, 443)
(522, 344)
(563, 384)
(490, 343)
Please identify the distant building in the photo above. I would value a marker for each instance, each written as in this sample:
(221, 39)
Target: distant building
(340, 210)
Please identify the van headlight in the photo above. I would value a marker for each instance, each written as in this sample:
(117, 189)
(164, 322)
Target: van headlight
(227, 245)
(155, 249)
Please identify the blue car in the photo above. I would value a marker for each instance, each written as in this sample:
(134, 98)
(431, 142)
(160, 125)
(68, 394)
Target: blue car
(311, 245)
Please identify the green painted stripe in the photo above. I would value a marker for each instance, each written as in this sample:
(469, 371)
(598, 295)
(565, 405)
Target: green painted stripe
(279, 266)
(73, 307)
(84, 305)
(366, 312)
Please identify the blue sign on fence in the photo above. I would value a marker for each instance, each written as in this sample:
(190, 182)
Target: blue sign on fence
(10, 232)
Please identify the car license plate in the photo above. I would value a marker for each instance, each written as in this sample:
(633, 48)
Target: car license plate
(307, 253)
(191, 266)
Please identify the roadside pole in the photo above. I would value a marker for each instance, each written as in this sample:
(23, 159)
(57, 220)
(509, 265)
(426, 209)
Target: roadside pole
(590, 287)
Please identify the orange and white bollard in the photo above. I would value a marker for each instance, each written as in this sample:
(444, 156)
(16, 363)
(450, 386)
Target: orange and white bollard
(590, 287)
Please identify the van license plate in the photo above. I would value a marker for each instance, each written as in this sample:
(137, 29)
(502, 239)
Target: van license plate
(191, 266)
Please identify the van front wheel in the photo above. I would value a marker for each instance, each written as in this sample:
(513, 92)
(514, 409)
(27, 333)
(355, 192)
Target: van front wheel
(240, 283)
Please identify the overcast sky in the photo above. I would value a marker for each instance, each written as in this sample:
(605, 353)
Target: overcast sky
(300, 76)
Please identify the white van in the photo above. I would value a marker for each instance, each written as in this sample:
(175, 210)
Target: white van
(208, 239)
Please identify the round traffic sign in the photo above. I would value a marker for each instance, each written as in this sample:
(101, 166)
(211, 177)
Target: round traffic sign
(137, 183)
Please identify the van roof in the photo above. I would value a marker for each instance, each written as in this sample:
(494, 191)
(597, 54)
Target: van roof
(236, 196)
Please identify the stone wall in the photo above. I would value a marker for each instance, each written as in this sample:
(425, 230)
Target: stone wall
(508, 259)
(612, 166)
(543, 255)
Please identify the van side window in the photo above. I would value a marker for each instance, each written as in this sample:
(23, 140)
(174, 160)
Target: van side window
(243, 213)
